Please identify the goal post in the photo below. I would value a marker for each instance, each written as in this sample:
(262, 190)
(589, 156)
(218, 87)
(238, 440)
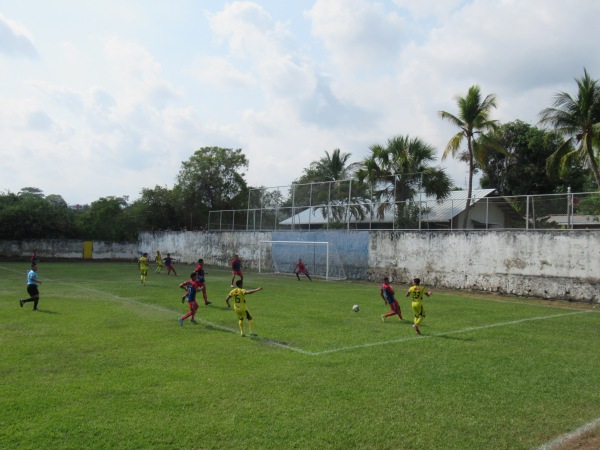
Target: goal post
(321, 258)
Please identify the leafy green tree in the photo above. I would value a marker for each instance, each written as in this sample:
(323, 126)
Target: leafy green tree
(107, 219)
(520, 168)
(473, 121)
(213, 179)
(31, 191)
(398, 171)
(29, 215)
(577, 119)
(158, 208)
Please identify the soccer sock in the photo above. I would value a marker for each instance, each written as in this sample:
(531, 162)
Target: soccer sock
(241, 325)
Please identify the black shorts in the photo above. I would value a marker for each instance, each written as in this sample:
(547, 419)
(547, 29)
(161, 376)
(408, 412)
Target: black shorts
(32, 290)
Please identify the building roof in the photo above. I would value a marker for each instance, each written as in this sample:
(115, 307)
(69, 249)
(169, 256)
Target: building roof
(433, 210)
(576, 220)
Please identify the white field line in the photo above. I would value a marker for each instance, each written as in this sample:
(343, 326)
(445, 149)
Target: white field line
(324, 352)
(561, 440)
(464, 330)
(167, 310)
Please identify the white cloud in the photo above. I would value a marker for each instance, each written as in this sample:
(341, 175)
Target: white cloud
(16, 39)
(357, 33)
(221, 73)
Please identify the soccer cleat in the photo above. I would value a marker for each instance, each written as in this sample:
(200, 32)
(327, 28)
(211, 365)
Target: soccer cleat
(180, 320)
(207, 302)
(252, 333)
(21, 303)
(242, 334)
(194, 321)
(232, 285)
(35, 309)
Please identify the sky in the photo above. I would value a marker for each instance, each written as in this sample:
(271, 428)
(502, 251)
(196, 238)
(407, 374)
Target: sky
(102, 99)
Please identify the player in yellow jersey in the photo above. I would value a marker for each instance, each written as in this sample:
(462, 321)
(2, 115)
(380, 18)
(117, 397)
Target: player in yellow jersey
(417, 291)
(143, 266)
(159, 262)
(239, 305)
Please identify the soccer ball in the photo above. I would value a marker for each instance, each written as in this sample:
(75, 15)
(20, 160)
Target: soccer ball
(356, 308)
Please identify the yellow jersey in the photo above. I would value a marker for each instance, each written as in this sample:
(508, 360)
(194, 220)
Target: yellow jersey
(417, 293)
(143, 262)
(239, 299)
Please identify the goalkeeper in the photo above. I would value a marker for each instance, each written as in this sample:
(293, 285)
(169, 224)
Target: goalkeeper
(301, 268)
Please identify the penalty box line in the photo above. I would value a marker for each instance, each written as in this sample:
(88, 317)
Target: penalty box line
(428, 336)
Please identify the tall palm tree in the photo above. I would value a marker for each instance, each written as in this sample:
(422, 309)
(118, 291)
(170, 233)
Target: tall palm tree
(326, 182)
(333, 167)
(577, 119)
(473, 119)
(399, 169)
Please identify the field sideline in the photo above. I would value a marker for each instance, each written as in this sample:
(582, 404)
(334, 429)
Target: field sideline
(105, 364)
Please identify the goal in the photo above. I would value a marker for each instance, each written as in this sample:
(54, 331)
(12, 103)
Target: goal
(321, 258)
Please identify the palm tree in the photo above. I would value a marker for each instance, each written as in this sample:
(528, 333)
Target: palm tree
(333, 167)
(578, 119)
(398, 170)
(327, 183)
(473, 119)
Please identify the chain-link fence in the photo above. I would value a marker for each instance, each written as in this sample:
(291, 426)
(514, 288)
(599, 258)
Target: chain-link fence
(350, 205)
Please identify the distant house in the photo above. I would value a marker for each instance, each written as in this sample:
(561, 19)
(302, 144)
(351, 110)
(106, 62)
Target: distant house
(487, 211)
(575, 221)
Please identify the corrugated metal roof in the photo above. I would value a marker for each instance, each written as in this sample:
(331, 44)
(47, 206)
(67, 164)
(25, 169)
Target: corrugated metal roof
(434, 211)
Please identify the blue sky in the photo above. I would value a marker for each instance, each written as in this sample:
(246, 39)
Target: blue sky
(106, 98)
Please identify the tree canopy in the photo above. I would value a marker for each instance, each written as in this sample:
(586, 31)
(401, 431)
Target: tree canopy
(400, 169)
(577, 120)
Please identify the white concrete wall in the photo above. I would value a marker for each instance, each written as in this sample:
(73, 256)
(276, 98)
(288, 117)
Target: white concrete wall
(215, 248)
(556, 264)
(67, 249)
(548, 264)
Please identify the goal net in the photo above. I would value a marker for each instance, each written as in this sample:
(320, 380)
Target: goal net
(320, 258)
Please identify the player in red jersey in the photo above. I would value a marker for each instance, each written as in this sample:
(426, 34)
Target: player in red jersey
(191, 298)
(387, 294)
(201, 280)
(301, 268)
(236, 269)
(169, 264)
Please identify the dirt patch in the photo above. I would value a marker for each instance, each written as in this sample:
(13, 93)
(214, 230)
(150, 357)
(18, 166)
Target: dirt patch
(588, 441)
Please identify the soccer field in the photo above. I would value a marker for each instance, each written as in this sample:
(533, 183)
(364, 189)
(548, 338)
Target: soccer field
(104, 363)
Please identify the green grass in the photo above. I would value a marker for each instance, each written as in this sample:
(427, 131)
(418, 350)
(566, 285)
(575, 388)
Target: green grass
(105, 364)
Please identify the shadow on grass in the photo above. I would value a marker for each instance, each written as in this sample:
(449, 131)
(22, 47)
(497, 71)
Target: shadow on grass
(46, 311)
(453, 338)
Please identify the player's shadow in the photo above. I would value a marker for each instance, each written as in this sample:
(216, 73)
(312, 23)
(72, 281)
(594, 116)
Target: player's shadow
(222, 308)
(45, 311)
